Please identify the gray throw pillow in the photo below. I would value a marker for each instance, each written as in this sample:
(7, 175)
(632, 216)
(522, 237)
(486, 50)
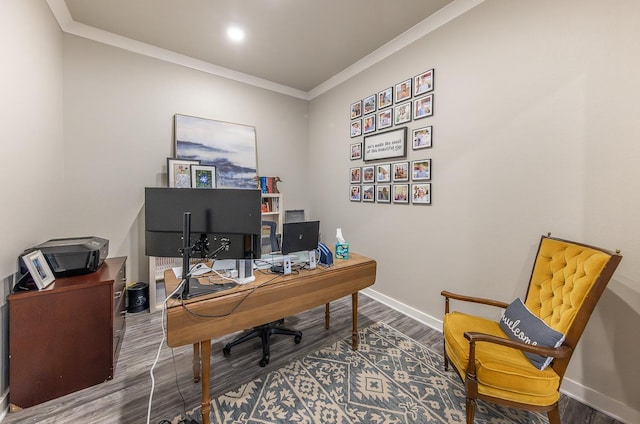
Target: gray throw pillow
(521, 325)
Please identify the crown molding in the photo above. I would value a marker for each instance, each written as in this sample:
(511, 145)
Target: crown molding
(68, 25)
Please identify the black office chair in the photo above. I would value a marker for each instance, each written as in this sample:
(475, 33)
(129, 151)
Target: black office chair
(265, 331)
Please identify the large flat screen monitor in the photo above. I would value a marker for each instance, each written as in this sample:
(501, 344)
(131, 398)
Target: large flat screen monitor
(300, 236)
(216, 214)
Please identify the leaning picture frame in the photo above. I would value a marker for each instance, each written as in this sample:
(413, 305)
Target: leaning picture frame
(203, 176)
(39, 269)
(179, 172)
(231, 148)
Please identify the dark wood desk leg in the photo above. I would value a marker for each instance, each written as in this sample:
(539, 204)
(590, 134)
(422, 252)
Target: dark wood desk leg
(196, 362)
(205, 349)
(327, 317)
(354, 319)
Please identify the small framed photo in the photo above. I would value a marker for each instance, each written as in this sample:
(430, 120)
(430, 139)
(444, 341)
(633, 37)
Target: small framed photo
(369, 124)
(356, 176)
(356, 109)
(354, 193)
(400, 171)
(383, 193)
(421, 193)
(422, 137)
(385, 98)
(402, 113)
(179, 172)
(423, 107)
(400, 193)
(369, 104)
(423, 83)
(403, 90)
(383, 173)
(39, 269)
(356, 128)
(385, 119)
(356, 151)
(421, 169)
(368, 174)
(368, 193)
(203, 176)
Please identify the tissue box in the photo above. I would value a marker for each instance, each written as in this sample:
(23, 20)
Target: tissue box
(342, 250)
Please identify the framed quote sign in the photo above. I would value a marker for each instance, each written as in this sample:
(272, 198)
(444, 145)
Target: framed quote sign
(388, 144)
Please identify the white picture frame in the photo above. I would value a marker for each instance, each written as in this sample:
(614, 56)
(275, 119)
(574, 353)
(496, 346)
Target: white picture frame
(39, 269)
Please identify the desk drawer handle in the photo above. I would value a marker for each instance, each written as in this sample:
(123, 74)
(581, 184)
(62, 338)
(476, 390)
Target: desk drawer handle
(117, 295)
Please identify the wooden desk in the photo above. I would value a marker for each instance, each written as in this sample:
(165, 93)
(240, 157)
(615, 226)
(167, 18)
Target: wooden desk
(267, 299)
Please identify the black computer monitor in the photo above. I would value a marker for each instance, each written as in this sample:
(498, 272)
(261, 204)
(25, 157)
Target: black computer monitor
(210, 223)
(216, 214)
(300, 236)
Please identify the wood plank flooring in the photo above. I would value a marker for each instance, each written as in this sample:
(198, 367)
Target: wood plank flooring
(125, 399)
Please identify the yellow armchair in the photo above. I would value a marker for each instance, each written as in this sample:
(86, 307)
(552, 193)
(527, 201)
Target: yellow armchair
(566, 282)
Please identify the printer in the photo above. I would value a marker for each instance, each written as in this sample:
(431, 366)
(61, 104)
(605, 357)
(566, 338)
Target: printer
(75, 255)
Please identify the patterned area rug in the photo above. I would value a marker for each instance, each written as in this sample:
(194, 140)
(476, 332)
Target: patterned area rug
(390, 379)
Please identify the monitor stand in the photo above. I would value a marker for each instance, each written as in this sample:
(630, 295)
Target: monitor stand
(197, 289)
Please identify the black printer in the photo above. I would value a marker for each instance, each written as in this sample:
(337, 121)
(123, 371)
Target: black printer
(75, 255)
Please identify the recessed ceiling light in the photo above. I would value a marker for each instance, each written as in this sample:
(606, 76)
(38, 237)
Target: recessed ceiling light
(235, 34)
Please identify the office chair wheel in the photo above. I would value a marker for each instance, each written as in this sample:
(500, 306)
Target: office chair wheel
(264, 361)
(226, 351)
(297, 339)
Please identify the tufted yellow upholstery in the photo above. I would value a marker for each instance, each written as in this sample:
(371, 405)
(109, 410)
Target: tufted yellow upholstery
(562, 276)
(566, 281)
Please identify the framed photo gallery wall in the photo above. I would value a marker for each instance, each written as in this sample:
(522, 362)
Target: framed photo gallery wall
(390, 132)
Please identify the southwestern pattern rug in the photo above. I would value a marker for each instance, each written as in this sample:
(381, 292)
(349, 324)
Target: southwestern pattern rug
(391, 379)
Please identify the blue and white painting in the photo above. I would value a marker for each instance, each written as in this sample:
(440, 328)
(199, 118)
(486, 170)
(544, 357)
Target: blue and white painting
(231, 148)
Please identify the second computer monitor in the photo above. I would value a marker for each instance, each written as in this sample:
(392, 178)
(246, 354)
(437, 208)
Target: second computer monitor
(300, 236)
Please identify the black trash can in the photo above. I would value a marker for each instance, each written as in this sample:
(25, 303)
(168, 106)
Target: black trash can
(138, 297)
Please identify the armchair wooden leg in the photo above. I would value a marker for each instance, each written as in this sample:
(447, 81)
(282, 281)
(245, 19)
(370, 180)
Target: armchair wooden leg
(554, 415)
(471, 410)
(444, 354)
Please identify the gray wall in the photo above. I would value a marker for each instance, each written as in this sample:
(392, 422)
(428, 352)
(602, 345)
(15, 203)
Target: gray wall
(31, 162)
(535, 130)
(118, 126)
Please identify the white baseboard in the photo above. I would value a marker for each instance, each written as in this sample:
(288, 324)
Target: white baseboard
(600, 401)
(4, 404)
(574, 390)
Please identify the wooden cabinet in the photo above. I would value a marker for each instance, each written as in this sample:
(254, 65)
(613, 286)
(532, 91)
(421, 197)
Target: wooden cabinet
(67, 337)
